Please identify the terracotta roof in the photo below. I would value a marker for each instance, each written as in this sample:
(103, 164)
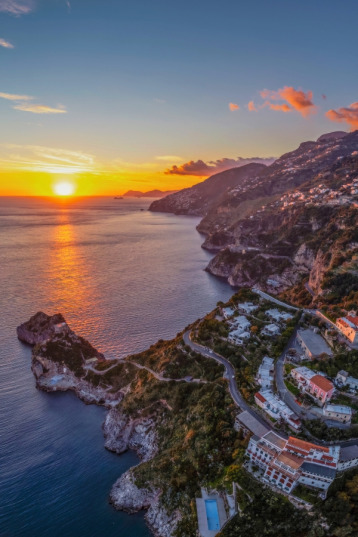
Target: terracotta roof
(353, 320)
(323, 383)
(290, 460)
(304, 446)
(260, 397)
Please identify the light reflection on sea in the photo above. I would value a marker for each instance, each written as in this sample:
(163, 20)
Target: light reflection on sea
(123, 278)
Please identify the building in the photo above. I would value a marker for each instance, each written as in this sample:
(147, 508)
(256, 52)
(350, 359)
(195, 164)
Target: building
(348, 458)
(285, 463)
(349, 327)
(227, 312)
(276, 408)
(344, 379)
(271, 330)
(313, 345)
(265, 374)
(321, 389)
(277, 315)
(239, 330)
(338, 413)
(302, 376)
(247, 307)
(316, 385)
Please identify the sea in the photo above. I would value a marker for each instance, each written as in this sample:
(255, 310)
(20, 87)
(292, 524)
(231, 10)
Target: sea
(123, 277)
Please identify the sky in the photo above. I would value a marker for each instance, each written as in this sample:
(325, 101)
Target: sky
(112, 95)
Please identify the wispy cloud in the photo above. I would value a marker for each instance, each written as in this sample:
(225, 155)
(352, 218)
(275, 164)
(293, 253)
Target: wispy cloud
(294, 100)
(39, 108)
(169, 158)
(25, 104)
(15, 97)
(17, 7)
(6, 44)
(46, 159)
(201, 168)
(251, 106)
(68, 6)
(347, 115)
(233, 107)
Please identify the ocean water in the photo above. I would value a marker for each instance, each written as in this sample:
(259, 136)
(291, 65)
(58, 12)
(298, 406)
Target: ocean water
(123, 278)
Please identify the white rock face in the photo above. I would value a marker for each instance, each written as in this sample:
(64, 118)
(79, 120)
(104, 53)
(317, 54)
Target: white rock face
(122, 433)
(126, 496)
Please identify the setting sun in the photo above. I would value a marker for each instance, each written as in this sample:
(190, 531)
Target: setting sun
(64, 188)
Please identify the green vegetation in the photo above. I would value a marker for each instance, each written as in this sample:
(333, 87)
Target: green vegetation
(320, 430)
(69, 350)
(271, 515)
(293, 389)
(306, 494)
(347, 360)
(341, 506)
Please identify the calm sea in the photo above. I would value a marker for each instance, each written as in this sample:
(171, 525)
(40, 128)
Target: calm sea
(123, 277)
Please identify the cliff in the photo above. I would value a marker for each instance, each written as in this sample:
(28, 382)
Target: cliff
(155, 418)
(198, 199)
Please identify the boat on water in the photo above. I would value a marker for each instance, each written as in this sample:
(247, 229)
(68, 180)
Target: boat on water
(118, 197)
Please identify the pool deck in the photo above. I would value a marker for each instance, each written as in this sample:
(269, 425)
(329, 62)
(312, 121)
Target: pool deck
(201, 511)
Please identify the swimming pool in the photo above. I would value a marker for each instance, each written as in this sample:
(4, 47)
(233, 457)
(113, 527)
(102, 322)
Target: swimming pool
(212, 514)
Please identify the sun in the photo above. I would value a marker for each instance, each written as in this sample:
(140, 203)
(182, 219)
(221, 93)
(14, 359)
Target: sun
(64, 188)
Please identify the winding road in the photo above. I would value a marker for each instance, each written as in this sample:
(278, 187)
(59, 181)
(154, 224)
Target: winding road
(229, 374)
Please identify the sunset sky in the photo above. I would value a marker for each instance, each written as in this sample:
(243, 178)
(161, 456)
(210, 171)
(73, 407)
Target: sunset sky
(112, 95)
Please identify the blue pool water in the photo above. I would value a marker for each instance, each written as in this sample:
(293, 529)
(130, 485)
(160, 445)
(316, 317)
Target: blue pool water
(212, 514)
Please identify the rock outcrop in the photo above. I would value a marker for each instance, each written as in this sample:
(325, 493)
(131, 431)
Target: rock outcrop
(123, 433)
(126, 496)
(41, 328)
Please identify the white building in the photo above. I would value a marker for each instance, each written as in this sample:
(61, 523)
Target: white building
(277, 315)
(276, 408)
(303, 375)
(348, 458)
(271, 330)
(288, 462)
(240, 330)
(344, 379)
(265, 374)
(247, 307)
(227, 312)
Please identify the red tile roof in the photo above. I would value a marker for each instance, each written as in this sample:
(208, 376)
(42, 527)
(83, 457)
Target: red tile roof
(353, 320)
(322, 383)
(260, 397)
(303, 445)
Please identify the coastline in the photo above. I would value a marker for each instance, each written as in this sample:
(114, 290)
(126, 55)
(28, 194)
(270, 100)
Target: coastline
(120, 435)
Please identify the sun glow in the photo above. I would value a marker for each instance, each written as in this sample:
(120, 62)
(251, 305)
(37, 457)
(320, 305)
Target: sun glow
(64, 188)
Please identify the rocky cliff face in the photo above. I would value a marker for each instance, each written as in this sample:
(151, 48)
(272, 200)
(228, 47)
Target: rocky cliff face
(268, 230)
(41, 327)
(55, 366)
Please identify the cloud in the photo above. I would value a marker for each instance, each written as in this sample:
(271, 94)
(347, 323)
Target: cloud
(15, 97)
(169, 158)
(68, 6)
(25, 104)
(233, 107)
(278, 107)
(251, 106)
(347, 115)
(17, 7)
(201, 168)
(297, 100)
(46, 159)
(39, 108)
(6, 44)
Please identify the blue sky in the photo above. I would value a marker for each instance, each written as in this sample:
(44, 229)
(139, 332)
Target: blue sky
(145, 79)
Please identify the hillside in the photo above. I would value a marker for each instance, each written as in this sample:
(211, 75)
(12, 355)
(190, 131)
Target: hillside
(198, 199)
(150, 194)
